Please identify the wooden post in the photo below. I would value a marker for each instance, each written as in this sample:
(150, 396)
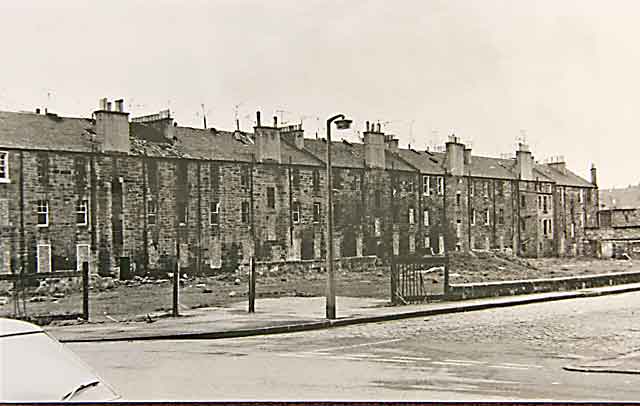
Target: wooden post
(394, 281)
(252, 286)
(85, 291)
(176, 284)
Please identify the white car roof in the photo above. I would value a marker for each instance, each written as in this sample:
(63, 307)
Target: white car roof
(11, 327)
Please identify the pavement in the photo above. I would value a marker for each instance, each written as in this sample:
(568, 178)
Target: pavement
(292, 314)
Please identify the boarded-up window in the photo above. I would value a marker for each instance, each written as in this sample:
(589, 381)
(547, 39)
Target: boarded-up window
(4, 212)
(182, 192)
(316, 180)
(214, 173)
(271, 197)
(295, 177)
(244, 176)
(44, 258)
(80, 170)
(43, 168)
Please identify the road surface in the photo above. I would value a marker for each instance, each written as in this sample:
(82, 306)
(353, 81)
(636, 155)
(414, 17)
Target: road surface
(515, 353)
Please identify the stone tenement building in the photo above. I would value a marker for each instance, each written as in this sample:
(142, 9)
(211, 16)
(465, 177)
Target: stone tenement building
(619, 223)
(108, 187)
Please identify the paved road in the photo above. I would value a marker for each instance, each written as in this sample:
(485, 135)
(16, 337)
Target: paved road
(507, 353)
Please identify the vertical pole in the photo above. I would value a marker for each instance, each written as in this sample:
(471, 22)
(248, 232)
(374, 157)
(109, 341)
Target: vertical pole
(252, 286)
(331, 294)
(446, 233)
(394, 282)
(176, 284)
(85, 290)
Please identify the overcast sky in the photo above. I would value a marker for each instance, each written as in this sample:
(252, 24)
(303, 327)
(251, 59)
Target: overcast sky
(565, 73)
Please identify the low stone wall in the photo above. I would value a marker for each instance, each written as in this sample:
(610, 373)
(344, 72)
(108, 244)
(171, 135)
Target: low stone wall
(520, 287)
(351, 264)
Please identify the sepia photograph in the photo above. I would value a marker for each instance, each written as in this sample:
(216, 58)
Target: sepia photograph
(319, 201)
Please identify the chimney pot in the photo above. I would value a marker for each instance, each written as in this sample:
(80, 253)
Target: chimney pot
(275, 121)
(103, 104)
(257, 119)
(108, 106)
(367, 126)
(119, 105)
(37, 111)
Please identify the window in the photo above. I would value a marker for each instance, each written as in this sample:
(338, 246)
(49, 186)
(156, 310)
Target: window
(214, 177)
(487, 217)
(336, 212)
(573, 230)
(244, 176)
(43, 259)
(82, 213)
(376, 227)
(214, 213)
(152, 212)
(244, 213)
(43, 213)
(485, 188)
(426, 185)
(440, 185)
(473, 217)
(425, 217)
(412, 214)
(271, 197)
(458, 228)
(336, 178)
(4, 166)
(295, 177)
(378, 198)
(472, 188)
(410, 185)
(458, 199)
(500, 216)
(545, 204)
(523, 225)
(427, 242)
(523, 201)
(316, 180)
(581, 196)
(499, 187)
(316, 212)
(539, 202)
(295, 212)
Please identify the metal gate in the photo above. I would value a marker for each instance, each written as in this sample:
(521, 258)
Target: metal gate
(416, 279)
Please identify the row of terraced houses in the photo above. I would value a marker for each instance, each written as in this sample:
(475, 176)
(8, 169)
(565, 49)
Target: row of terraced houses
(109, 188)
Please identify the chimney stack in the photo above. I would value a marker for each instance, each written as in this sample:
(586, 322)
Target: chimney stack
(374, 147)
(267, 141)
(524, 161)
(455, 156)
(112, 127)
(467, 156)
(594, 175)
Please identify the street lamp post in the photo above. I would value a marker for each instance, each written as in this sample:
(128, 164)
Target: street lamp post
(341, 123)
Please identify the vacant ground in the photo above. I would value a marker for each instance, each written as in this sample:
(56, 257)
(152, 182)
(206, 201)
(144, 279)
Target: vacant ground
(117, 301)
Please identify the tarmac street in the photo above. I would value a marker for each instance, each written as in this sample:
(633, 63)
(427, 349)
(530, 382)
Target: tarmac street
(510, 353)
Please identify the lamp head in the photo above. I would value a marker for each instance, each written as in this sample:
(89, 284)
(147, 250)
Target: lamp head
(343, 124)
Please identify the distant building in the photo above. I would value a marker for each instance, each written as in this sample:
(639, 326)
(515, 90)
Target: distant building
(108, 189)
(619, 227)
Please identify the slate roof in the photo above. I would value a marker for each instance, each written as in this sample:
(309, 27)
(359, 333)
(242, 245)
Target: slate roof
(622, 199)
(563, 177)
(53, 133)
(343, 155)
(45, 132)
